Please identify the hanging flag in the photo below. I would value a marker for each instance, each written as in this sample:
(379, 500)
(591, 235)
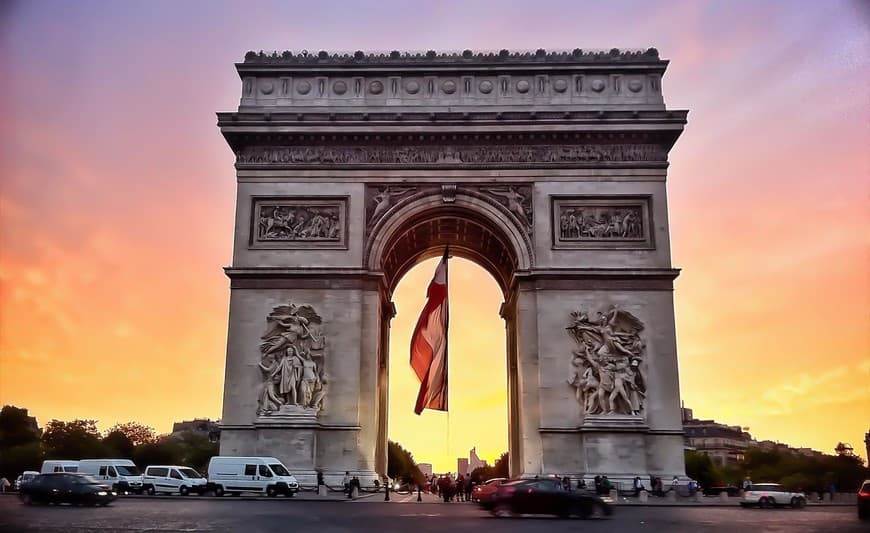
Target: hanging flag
(429, 344)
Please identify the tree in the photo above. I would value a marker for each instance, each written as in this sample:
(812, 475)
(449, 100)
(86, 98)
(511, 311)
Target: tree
(502, 465)
(78, 439)
(138, 434)
(19, 442)
(700, 468)
(118, 444)
(401, 464)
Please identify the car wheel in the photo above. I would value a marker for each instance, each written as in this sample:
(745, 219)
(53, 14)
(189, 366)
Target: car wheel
(271, 491)
(797, 502)
(219, 490)
(765, 503)
(150, 490)
(183, 490)
(503, 510)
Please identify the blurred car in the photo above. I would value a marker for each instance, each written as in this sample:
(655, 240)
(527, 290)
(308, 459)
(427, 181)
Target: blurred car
(545, 496)
(484, 492)
(76, 489)
(25, 476)
(864, 501)
(770, 495)
(718, 488)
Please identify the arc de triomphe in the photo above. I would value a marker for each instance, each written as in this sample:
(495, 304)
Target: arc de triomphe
(547, 169)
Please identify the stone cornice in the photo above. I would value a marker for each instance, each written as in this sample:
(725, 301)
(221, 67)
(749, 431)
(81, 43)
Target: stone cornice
(466, 57)
(635, 279)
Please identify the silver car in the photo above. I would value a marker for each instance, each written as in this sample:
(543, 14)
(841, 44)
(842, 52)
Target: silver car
(770, 495)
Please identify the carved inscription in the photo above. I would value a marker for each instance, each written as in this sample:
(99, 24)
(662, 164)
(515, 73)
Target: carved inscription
(601, 222)
(411, 155)
(304, 222)
(607, 370)
(291, 361)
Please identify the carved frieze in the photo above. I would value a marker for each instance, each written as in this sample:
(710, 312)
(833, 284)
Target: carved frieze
(446, 155)
(607, 368)
(301, 222)
(291, 363)
(601, 222)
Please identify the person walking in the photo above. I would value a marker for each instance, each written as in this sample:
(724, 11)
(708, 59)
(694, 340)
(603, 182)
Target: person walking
(345, 481)
(638, 486)
(4, 484)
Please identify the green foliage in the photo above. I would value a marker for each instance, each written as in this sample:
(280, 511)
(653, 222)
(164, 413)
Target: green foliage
(118, 445)
(78, 439)
(700, 468)
(137, 433)
(20, 449)
(401, 464)
(499, 469)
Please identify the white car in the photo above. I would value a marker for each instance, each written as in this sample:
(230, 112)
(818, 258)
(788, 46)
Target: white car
(770, 495)
(25, 476)
(173, 478)
(250, 474)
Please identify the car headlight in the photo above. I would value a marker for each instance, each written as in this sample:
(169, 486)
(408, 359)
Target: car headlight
(102, 493)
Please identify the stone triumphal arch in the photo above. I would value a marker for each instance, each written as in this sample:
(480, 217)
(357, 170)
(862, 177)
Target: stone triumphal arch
(547, 169)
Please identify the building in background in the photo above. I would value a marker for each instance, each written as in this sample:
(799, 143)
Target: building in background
(462, 466)
(425, 469)
(198, 426)
(867, 445)
(474, 461)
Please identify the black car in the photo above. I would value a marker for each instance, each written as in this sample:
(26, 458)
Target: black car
(864, 501)
(545, 496)
(60, 487)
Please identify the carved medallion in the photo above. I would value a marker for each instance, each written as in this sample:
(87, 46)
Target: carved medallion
(607, 368)
(316, 222)
(292, 362)
(601, 222)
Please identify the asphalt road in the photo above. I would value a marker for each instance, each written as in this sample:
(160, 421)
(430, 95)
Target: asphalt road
(286, 515)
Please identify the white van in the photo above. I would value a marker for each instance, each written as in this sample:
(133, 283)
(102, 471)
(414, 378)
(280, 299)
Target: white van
(121, 474)
(173, 478)
(250, 474)
(59, 466)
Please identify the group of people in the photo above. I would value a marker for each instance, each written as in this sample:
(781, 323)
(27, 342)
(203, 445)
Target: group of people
(657, 486)
(447, 488)
(348, 482)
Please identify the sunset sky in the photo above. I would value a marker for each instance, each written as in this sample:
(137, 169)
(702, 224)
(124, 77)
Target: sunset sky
(117, 197)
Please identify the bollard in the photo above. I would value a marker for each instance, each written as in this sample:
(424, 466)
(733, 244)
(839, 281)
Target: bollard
(672, 496)
(321, 490)
(387, 491)
(699, 496)
(354, 492)
(826, 497)
(643, 497)
(419, 493)
(613, 495)
(723, 496)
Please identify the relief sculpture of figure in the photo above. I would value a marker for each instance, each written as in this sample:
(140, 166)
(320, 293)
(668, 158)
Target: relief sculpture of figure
(607, 366)
(291, 360)
(384, 201)
(515, 201)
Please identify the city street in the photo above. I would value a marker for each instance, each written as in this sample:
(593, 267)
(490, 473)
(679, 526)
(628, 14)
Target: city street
(402, 514)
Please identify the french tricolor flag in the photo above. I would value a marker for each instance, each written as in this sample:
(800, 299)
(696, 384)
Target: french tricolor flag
(429, 344)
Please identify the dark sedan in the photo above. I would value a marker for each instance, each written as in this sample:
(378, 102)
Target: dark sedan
(545, 496)
(75, 489)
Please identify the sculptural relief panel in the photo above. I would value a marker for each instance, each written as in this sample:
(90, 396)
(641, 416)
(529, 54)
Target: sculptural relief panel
(292, 357)
(299, 222)
(607, 368)
(602, 222)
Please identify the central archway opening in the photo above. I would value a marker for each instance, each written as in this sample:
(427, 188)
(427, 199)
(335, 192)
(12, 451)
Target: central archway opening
(477, 371)
(489, 246)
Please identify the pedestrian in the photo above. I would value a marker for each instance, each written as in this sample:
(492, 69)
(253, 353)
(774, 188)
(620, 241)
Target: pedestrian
(693, 487)
(345, 482)
(675, 484)
(566, 483)
(638, 486)
(469, 487)
(4, 484)
(581, 484)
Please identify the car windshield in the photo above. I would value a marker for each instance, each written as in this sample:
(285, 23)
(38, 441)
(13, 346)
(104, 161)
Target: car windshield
(127, 470)
(190, 473)
(279, 469)
(865, 487)
(494, 481)
(71, 469)
(766, 486)
(514, 482)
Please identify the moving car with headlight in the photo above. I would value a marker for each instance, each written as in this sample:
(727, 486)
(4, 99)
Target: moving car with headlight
(25, 477)
(545, 496)
(770, 495)
(864, 501)
(60, 487)
(484, 492)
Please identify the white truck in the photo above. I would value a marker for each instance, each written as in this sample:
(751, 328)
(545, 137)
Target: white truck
(53, 465)
(173, 478)
(770, 495)
(265, 475)
(121, 474)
